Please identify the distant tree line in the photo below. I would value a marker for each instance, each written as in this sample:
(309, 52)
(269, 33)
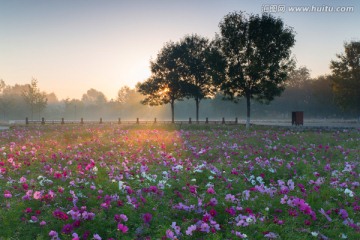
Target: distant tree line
(249, 59)
(314, 96)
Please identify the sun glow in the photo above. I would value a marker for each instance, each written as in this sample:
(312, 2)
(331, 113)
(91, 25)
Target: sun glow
(164, 91)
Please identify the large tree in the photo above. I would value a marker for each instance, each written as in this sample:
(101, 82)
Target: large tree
(203, 65)
(258, 56)
(346, 77)
(34, 97)
(165, 85)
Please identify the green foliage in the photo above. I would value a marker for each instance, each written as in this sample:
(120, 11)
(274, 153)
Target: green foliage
(165, 84)
(257, 52)
(202, 66)
(346, 77)
(35, 98)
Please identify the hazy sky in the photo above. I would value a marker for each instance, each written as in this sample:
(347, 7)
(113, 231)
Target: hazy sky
(71, 46)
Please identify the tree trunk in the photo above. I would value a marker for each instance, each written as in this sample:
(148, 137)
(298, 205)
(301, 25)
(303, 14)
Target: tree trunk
(247, 111)
(172, 111)
(197, 109)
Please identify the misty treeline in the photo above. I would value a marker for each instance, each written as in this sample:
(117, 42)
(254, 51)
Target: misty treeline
(249, 63)
(314, 96)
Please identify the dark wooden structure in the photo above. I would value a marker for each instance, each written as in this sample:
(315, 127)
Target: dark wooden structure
(297, 118)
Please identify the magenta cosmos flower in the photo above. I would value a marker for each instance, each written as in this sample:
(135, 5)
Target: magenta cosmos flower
(147, 217)
(122, 228)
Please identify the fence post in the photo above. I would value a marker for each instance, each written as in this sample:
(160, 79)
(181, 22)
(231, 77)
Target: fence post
(137, 120)
(236, 120)
(207, 120)
(189, 120)
(223, 120)
(100, 120)
(43, 121)
(119, 121)
(26, 120)
(155, 120)
(82, 121)
(62, 121)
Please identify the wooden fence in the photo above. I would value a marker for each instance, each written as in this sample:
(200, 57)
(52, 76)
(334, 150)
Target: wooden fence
(119, 121)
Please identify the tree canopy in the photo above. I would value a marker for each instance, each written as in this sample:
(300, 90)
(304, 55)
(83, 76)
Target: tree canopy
(203, 65)
(165, 85)
(346, 77)
(34, 97)
(258, 56)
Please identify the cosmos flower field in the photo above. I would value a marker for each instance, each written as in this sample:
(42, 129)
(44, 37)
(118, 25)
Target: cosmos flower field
(179, 182)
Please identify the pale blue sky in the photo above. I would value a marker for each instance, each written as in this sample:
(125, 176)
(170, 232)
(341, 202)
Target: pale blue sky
(73, 45)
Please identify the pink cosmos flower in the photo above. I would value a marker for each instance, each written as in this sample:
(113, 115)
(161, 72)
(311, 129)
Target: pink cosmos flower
(37, 195)
(122, 228)
(240, 235)
(230, 198)
(75, 236)
(213, 212)
(124, 217)
(176, 228)
(7, 194)
(343, 213)
(60, 215)
(192, 189)
(117, 217)
(190, 230)
(34, 218)
(271, 235)
(97, 237)
(53, 234)
(204, 227)
(170, 234)
(231, 211)
(67, 229)
(22, 180)
(147, 217)
(213, 202)
(210, 191)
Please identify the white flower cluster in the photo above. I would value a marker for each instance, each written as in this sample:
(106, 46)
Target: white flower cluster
(199, 168)
(163, 182)
(122, 186)
(349, 192)
(43, 180)
(253, 181)
(151, 178)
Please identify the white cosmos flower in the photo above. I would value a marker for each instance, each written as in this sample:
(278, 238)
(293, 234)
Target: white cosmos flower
(349, 192)
(121, 185)
(315, 234)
